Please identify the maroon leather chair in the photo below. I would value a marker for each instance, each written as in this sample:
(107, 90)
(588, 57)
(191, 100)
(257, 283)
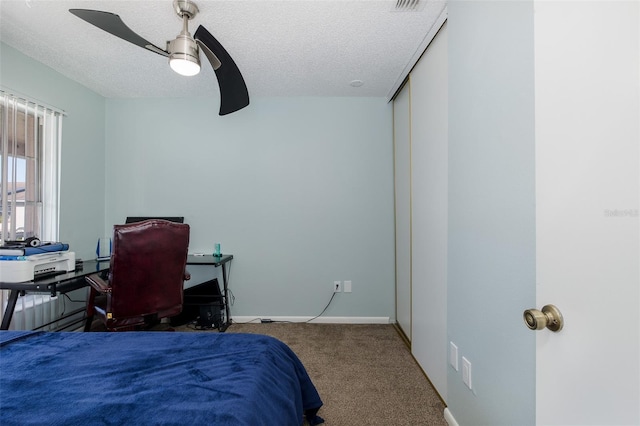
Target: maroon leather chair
(146, 276)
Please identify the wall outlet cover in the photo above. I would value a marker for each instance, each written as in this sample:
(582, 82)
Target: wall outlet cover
(466, 372)
(453, 355)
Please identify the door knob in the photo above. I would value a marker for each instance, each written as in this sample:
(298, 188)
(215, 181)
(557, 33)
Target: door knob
(549, 317)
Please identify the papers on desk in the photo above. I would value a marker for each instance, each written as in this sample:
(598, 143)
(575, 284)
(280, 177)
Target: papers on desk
(30, 251)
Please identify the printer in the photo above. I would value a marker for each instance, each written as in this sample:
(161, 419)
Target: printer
(28, 268)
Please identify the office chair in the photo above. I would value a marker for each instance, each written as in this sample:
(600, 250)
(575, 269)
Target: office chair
(145, 278)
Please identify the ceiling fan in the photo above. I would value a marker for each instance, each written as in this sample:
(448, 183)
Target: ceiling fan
(184, 51)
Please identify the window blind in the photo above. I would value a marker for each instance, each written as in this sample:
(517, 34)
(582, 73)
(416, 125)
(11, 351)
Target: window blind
(30, 134)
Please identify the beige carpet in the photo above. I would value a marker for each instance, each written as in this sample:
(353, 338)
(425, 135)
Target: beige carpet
(364, 373)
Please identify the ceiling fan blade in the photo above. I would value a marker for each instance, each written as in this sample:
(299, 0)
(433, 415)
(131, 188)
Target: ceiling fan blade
(233, 90)
(111, 23)
(213, 59)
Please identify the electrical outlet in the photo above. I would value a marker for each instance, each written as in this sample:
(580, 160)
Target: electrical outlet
(337, 286)
(453, 355)
(466, 372)
(347, 286)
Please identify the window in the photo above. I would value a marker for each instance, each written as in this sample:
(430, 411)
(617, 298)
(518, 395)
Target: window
(29, 189)
(29, 169)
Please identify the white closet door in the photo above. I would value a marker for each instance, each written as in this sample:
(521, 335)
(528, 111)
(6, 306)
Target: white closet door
(402, 168)
(429, 199)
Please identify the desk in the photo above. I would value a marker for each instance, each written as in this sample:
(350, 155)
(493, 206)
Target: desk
(60, 283)
(69, 281)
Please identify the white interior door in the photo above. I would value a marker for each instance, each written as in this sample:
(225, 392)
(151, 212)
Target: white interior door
(587, 196)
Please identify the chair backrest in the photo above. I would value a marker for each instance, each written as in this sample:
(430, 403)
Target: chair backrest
(147, 267)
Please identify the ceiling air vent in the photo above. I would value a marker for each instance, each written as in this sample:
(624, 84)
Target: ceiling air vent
(407, 5)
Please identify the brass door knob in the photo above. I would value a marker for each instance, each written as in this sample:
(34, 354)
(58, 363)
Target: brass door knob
(550, 317)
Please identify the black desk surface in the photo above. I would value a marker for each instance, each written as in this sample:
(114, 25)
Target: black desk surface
(208, 259)
(60, 282)
(75, 279)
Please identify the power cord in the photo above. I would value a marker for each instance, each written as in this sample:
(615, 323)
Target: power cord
(251, 321)
(64, 303)
(270, 321)
(325, 308)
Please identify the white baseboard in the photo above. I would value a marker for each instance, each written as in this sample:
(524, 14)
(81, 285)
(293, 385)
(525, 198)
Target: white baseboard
(449, 418)
(319, 320)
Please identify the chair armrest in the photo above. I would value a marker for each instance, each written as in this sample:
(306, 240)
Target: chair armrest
(98, 283)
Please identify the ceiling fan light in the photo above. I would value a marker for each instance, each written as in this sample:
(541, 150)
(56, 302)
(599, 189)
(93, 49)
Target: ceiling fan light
(184, 65)
(184, 55)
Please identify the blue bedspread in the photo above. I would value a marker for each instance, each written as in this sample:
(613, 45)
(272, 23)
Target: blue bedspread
(154, 378)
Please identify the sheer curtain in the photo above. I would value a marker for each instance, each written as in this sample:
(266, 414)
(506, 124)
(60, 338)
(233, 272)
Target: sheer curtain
(30, 134)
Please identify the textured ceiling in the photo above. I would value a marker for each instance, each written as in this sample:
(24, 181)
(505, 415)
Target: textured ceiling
(283, 48)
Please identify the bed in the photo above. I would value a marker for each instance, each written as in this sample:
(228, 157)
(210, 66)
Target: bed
(169, 378)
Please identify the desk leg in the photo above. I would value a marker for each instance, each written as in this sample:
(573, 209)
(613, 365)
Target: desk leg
(11, 306)
(225, 284)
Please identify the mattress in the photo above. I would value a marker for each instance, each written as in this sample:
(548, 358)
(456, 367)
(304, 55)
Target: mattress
(159, 378)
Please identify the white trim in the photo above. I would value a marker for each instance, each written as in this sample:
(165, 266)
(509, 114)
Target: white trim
(448, 417)
(320, 320)
(418, 53)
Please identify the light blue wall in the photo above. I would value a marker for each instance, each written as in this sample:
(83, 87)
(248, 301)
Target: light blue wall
(491, 210)
(300, 190)
(83, 134)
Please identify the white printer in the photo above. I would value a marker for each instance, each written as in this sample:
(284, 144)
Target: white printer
(27, 268)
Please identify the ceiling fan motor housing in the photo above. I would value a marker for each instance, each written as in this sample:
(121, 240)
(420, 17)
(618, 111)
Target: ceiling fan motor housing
(183, 47)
